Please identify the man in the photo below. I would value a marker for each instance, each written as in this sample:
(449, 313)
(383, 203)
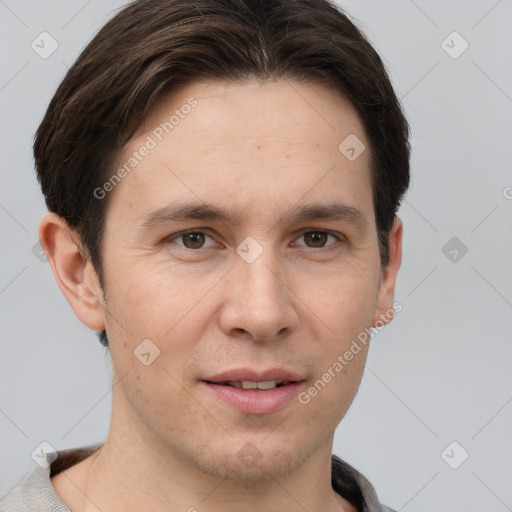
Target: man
(223, 178)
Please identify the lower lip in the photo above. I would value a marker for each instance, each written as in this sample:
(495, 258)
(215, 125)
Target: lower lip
(256, 402)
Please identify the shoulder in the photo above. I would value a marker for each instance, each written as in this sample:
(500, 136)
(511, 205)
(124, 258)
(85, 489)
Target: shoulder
(12, 501)
(36, 493)
(355, 487)
(31, 498)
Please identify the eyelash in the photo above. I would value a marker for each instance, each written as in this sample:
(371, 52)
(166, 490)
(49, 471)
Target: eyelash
(338, 237)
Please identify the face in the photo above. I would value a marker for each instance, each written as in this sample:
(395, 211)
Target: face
(242, 247)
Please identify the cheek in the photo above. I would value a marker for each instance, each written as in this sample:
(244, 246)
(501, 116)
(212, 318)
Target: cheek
(326, 401)
(157, 398)
(343, 301)
(343, 307)
(158, 318)
(151, 301)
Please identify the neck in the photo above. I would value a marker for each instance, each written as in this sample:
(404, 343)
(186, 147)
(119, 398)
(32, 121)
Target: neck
(129, 475)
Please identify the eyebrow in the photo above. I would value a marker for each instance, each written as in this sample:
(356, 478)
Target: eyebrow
(205, 211)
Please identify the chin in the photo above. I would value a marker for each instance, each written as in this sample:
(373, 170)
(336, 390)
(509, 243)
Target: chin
(249, 464)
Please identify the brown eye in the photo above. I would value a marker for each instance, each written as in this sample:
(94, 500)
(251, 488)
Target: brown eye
(192, 240)
(316, 238)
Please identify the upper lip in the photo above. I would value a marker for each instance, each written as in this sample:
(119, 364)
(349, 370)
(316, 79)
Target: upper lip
(241, 374)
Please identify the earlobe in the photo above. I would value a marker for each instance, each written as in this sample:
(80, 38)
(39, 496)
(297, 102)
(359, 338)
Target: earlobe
(386, 293)
(72, 270)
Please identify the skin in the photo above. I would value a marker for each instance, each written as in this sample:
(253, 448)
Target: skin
(261, 148)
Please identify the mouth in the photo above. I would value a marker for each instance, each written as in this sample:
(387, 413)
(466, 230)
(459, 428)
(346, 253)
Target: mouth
(255, 392)
(249, 385)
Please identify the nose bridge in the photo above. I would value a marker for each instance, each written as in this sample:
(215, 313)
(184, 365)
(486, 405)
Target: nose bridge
(259, 269)
(259, 302)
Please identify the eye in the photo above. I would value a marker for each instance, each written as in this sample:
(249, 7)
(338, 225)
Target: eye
(192, 239)
(318, 239)
(197, 239)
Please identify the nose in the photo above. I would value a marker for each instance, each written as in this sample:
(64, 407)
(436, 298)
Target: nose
(259, 305)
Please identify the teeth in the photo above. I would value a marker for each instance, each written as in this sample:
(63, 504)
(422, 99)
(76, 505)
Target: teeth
(251, 385)
(268, 384)
(247, 384)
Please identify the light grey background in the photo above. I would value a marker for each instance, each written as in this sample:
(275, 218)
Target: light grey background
(440, 372)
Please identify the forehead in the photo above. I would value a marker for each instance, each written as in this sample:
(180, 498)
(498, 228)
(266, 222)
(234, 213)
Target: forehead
(252, 145)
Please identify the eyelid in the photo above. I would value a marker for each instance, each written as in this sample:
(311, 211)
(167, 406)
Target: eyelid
(339, 237)
(187, 232)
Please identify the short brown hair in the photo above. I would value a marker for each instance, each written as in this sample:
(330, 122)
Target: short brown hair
(153, 46)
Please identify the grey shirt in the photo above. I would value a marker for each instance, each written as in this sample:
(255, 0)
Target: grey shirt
(36, 493)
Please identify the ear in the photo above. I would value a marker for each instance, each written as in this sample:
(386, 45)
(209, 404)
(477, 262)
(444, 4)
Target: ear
(72, 270)
(385, 297)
